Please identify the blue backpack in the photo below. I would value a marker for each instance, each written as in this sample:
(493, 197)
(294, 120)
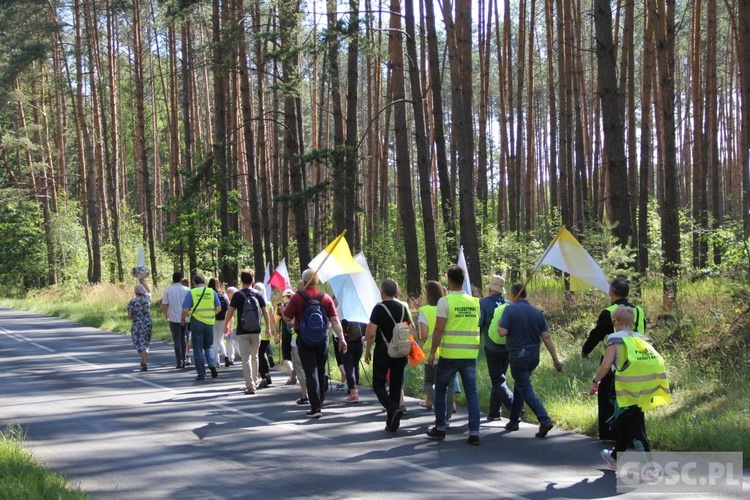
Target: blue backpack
(313, 325)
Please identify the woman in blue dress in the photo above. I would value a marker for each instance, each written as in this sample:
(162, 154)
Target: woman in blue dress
(139, 310)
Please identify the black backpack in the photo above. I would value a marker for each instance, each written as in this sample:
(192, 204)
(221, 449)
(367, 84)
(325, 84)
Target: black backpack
(313, 325)
(224, 306)
(250, 318)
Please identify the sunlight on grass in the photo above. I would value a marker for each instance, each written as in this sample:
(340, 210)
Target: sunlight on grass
(22, 477)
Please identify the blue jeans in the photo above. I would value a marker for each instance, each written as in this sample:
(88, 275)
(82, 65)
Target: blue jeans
(179, 339)
(522, 363)
(444, 374)
(497, 366)
(203, 345)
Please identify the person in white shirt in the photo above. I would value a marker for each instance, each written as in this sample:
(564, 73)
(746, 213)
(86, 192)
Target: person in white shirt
(171, 306)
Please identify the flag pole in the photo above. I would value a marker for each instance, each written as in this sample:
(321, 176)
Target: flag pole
(328, 254)
(536, 267)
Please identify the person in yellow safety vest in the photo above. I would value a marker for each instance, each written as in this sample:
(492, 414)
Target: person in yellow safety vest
(619, 290)
(495, 351)
(640, 384)
(202, 305)
(427, 317)
(457, 335)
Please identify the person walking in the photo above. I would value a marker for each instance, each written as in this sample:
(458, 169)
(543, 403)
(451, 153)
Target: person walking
(379, 332)
(354, 336)
(311, 321)
(251, 307)
(171, 306)
(457, 336)
(231, 337)
(201, 305)
(640, 383)
(219, 347)
(619, 290)
(139, 310)
(494, 348)
(434, 291)
(286, 337)
(525, 328)
(264, 357)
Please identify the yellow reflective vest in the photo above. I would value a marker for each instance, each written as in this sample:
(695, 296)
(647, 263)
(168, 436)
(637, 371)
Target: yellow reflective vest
(430, 314)
(495, 323)
(203, 309)
(639, 322)
(461, 336)
(640, 377)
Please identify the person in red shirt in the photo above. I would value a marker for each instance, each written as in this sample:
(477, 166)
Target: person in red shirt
(313, 357)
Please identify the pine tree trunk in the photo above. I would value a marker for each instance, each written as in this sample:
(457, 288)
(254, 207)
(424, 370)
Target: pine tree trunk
(460, 51)
(91, 206)
(403, 166)
(670, 229)
(646, 134)
(423, 154)
(613, 127)
(447, 197)
(351, 167)
(553, 118)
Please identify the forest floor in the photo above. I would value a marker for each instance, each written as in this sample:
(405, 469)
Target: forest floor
(704, 343)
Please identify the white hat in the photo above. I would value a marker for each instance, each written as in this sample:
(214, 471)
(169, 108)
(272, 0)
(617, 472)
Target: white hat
(497, 283)
(287, 293)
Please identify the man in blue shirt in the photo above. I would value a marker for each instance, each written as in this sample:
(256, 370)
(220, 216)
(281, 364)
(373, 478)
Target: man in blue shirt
(526, 328)
(496, 354)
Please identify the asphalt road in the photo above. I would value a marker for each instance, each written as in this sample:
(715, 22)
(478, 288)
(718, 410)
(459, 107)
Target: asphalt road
(89, 413)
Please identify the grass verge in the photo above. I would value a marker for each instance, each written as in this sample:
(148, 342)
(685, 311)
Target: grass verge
(22, 477)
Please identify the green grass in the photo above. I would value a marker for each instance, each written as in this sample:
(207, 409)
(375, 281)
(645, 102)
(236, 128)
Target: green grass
(704, 343)
(22, 477)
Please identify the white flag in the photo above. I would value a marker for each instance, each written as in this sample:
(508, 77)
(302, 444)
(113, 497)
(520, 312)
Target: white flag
(462, 264)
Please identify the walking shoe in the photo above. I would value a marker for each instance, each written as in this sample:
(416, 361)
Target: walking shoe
(352, 399)
(436, 434)
(179, 366)
(473, 440)
(200, 377)
(447, 424)
(289, 381)
(268, 379)
(303, 401)
(263, 384)
(607, 457)
(544, 429)
(214, 373)
(491, 417)
(188, 362)
(316, 413)
(396, 420)
(144, 367)
(249, 391)
(227, 363)
(510, 426)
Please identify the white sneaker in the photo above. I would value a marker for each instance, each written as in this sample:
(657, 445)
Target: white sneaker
(607, 457)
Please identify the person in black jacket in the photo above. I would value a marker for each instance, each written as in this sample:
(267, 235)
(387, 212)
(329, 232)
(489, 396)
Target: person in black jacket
(618, 293)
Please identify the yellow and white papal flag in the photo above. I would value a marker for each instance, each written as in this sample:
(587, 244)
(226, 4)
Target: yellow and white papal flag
(566, 254)
(335, 260)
